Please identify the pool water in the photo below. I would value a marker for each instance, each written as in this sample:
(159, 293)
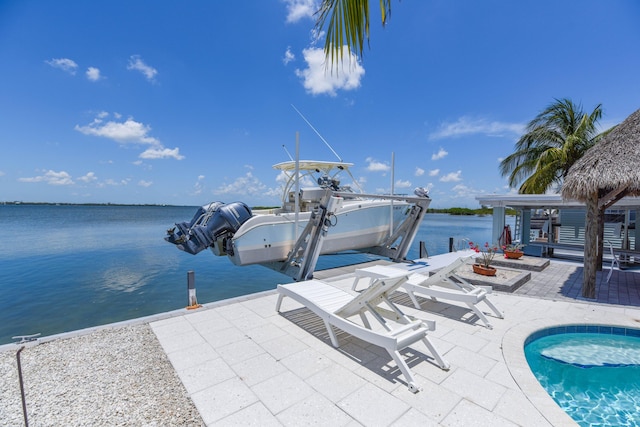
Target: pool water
(592, 372)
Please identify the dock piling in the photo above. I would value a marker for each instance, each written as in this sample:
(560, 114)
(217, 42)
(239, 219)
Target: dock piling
(423, 250)
(191, 289)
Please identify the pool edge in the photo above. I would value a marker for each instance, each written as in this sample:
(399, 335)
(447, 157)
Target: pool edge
(513, 343)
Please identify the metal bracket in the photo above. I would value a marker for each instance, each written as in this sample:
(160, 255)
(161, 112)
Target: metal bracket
(398, 244)
(302, 260)
(25, 338)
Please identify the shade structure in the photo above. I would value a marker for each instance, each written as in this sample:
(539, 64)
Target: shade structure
(610, 165)
(607, 172)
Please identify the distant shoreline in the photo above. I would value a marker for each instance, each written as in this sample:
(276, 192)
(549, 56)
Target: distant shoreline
(90, 204)
(450, 211)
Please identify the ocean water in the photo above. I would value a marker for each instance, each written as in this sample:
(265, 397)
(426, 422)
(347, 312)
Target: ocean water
(64, 268)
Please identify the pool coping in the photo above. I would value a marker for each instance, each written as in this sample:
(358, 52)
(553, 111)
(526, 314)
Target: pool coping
(513, 343)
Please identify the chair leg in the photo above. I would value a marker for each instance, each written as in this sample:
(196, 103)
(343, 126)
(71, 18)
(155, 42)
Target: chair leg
(279, 302)
(495, 310)
(444, 365)
(414, 299)
(332, 334)
(481, 315)
(408, 375)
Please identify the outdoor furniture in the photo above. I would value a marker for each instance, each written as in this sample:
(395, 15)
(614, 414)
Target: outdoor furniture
(614, 261)
(443, 285)
(337, 307)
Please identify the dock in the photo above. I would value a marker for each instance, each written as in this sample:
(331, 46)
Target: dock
(239, 362)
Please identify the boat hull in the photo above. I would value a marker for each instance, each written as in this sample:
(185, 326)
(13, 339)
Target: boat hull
(358, 225)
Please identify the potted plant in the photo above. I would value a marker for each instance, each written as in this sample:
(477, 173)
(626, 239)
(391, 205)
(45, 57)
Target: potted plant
(513, 251)
(488, 252)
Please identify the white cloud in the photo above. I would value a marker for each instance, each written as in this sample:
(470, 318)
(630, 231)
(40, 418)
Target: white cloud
(143, 183)
(439, 155)
(318, 78)
(129, 132)
(51, 177)
(2, 173)
(288, 56)
(161, 153)
(244, 185)
(419, 172)
(198, 186)
(471, 126)
(93, 74)
(402, 184)
(300, 9)
(452, 177)
(376, 166)
(434, 172)
(114, 183)
(89, 177)
(462, 190)
(64, 64)
(136, 63)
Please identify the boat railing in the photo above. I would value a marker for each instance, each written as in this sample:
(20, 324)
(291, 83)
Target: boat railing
(400, 197)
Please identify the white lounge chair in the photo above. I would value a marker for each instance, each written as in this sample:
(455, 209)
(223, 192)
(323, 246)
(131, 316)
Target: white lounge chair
(615, 261)
(444, 285)
(336, 306)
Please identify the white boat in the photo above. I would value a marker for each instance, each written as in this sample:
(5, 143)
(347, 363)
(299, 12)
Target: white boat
(313, 220)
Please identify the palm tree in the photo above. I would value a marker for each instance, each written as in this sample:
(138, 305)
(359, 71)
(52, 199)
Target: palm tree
(553, 141)
(348, 25)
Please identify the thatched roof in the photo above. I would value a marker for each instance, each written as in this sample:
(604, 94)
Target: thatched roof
(612, 164)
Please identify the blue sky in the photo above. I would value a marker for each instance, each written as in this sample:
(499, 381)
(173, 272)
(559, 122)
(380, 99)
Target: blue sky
(190, 102)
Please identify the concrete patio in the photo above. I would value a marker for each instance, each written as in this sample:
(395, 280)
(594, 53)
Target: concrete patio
(243, 363)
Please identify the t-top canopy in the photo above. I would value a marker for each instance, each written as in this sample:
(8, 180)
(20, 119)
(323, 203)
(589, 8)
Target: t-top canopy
(312, 165)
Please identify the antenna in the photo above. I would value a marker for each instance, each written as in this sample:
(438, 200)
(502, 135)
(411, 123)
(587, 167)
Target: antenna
(317, 133)
(287, 151)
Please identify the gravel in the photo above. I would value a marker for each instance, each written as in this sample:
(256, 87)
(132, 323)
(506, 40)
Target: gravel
(112, 377)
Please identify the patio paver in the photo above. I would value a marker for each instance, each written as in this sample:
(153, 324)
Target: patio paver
(243, 363)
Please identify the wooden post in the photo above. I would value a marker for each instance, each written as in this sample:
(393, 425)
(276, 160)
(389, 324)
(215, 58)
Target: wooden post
(590, 247)
(600, 239)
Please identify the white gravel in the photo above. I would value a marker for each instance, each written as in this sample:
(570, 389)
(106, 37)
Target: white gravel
(111, 377)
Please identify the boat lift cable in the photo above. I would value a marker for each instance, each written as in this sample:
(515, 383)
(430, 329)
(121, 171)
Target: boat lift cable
(317, 133)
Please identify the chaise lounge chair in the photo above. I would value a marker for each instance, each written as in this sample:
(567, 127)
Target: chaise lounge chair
(336, 307)
(444, 285)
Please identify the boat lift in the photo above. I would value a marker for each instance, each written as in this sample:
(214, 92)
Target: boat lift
(302, 259)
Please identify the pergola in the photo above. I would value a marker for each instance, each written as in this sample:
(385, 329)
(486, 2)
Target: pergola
(609, 171)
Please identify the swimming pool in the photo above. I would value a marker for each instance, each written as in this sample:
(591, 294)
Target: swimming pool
(592, 372)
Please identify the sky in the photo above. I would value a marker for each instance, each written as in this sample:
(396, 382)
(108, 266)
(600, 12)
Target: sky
(184, 103)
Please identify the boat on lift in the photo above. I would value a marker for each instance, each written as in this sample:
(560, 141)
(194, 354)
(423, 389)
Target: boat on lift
(319, 215)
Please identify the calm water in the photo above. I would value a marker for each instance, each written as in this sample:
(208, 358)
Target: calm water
(64, 268)
(593, 377)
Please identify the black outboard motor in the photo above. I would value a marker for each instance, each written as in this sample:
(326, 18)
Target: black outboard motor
(210, 222)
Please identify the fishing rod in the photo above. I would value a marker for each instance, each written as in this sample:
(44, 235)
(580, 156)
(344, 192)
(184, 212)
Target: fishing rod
(317, 133)
(287, 151)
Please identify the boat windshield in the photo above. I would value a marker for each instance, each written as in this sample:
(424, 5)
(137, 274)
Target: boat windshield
(313, 174)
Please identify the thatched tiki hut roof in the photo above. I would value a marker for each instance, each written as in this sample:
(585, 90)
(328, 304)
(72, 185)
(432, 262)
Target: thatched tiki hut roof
(607, 172)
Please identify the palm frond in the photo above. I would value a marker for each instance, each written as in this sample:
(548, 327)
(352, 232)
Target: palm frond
(553, 141)
(348, 26)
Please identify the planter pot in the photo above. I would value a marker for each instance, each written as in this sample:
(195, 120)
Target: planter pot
(485, 271)
(513, 254)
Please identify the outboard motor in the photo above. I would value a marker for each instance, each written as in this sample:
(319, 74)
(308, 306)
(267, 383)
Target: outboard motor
(210, 223)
